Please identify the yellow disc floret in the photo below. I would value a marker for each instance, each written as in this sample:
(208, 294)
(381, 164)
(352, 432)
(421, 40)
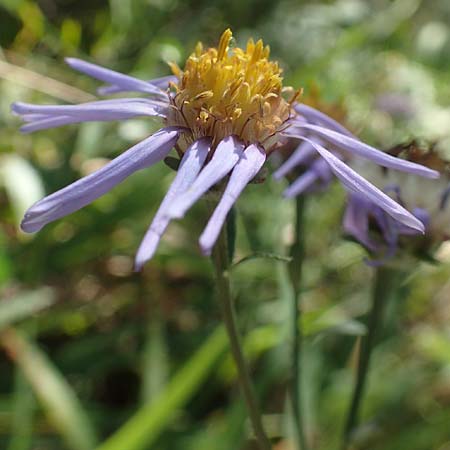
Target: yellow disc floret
(222, 92)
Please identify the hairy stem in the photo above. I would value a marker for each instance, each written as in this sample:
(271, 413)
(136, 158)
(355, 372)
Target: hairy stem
(295, 274)
(220, 259)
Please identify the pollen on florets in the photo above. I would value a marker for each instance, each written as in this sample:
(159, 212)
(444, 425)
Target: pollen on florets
(224, 91)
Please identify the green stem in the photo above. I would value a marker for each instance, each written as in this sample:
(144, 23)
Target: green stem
(295, 273)
(220, 259)
(384, 285)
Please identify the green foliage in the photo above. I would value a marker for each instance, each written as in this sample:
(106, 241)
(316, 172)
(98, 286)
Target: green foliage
(148, 423)
(51, 388)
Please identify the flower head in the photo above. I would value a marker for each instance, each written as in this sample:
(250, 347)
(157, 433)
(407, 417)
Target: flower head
(426, 199)
(224, 112)
(223, 92)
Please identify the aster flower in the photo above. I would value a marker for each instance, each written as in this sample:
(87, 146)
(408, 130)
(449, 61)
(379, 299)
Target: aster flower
(224, 112)
(382, 236)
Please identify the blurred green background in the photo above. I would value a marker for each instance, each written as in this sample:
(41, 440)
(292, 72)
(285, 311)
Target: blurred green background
(88, 345)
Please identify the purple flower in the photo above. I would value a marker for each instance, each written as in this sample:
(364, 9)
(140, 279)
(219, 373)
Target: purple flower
(225, 112)
(379, 233)
(314, 129)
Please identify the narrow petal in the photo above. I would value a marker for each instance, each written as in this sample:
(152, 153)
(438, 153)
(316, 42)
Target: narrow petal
(161, 83)
(319, 171)
(55, 122)
(358, 213)
(30, 112)
(225, 157)
(109, 76)
(45, 124)
(389, 228)
(89, 188)
(244, 171)
(190, 166)
(316, 116)
(357, 184)
(366, 151)
(300, 155)
(423, 215)
(301, 184)
(41, 117)
(106, 108)
(356, 220)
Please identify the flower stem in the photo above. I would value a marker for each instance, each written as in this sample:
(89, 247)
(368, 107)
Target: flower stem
(221, 262)
(295, 273)
(385, 282)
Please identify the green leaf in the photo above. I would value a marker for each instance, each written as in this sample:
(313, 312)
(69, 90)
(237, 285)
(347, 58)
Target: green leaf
(264, 255)
(151, 420)
(56, 396)
(331, 320)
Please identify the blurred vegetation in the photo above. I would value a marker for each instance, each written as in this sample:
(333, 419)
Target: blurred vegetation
(89, 346)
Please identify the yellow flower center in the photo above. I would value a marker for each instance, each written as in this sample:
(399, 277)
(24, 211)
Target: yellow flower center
(222, 92)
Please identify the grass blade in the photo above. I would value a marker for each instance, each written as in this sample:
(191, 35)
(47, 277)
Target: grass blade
(23, 412)
(51, 389)
(149, 422)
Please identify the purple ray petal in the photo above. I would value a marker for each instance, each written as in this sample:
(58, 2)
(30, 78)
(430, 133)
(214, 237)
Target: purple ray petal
(356, 183)
(107, 108)
(31, 117)
(300, 155)
(389, 227)
(109, 76)
(358, 213)
(29, 111)
(318, 171)
(89, 188)
(41, 117)
(356, 220)
(225, 157)
(322, 169)
(390, 231)
(44, 124)
(365, 151)
(316, 116)
(423, 215)
(301, 184)
(55, 122)
(161, 83)
(244, 171)
(190, 166)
